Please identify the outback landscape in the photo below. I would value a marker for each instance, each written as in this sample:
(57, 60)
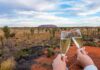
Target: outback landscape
(34, 48)
(34, 32)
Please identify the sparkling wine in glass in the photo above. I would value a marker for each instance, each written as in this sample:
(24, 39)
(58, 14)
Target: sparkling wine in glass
(65, 42)
(77, 37)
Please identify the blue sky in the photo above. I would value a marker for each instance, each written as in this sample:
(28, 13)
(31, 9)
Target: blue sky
(63, 13)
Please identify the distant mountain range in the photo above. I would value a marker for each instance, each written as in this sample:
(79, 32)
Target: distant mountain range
(49, 26)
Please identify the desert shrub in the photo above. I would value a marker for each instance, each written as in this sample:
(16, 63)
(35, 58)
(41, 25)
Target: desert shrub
(53, 46)
(21, 53)
(8, 64)
(1, 53)
(32, 31)
(90, 44)
(86, 38)
(12, 35)
(6, 31)
(99, 45)
(1, 40)
(50, 52)
(47, 65)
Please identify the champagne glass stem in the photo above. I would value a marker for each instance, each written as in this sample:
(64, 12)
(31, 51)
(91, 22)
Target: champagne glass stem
(75, 42)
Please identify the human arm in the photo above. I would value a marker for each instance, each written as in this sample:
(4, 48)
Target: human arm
(85, 60)
(59, 63)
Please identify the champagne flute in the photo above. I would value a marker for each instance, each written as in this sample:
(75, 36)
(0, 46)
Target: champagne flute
(77, 37)
(65, 42)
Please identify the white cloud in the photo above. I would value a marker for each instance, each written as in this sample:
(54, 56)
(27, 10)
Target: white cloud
(39, 13)
(89, 12)
(40, 18)
(39, 5)
(91, 7)
(49, 19)
(94, 20)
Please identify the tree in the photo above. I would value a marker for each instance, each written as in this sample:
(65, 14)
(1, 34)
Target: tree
(98, 32)
(32, 31)
(7, 42)
(12, 34)
(50, 52)
(46, 29)
(2, 47)
(1, 40)
(6, 31)
(38, 30)
(52, 32)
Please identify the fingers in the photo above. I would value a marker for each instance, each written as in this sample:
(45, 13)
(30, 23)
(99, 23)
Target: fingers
(58, 58)
(61, 58)
(64, 58)
(81, 51)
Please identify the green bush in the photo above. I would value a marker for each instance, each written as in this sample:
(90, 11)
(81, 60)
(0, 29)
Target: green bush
(6, 31)
(90, 44)
(50, 52)
(1, 53)
(86, 38)
(53, 46)
(98, 45)
(22, 53)
(12, 35)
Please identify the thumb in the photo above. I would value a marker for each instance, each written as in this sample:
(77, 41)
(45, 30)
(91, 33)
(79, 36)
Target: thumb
(59, 56)
(64, 58)
(83, 51)
(79, 52)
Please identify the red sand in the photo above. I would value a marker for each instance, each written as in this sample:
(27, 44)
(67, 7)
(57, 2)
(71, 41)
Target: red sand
(44, 63)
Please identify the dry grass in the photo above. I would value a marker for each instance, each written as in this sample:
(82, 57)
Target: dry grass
(24, 38)
(8, 64)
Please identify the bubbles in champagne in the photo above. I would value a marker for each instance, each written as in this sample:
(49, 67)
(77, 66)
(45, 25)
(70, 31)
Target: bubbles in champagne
(79, 41)
(66, 37)
(65, 42)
